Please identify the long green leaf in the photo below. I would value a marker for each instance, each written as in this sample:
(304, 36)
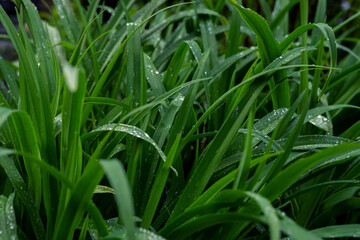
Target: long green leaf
(78, 201)
(24, 195)
(338, 231)
(269, 50)
(8, 227)
(118, 180)
(288, 176)
(158, 186)
(128, 129)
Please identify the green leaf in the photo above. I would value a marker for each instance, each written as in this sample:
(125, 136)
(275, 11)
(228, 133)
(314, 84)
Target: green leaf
(322, 185)
(24, 195)
(269, 50)
(8, 226)
(25, 140)
(219, 68)
(338, 231)
(70, 148)
(11, 80)
(288, 57)
(294, 230)
(71, 120)
(175, 66)
(107, 101)
(118, 180)
(244, 163)
(128, 129)
(135, 80)
(68, 19)
(104, 189)
(330, 38)
(293, 172)
(153, 77)
(158, 186)
(78, 202)
(279, 17)
(270, 213)
(226, 180)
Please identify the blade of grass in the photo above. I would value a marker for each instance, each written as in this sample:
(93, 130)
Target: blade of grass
(244, 163)
(153, 77)
(160, 135)
(70, 148)
(118, 180)
(278, 184)
(68, 19)
(131, 130)
(276, 21)
(338, 231)
(78, 201)
(281, 159)
(316, 80)
(135, 82)
(71, 119)
(186, 106)
(8, 226)
(294, 230)
(107, 101)
(24, 195)
(321, 185)
(11, 80)
(175, 66)
(304, 77)
(23, 131)
(158, 186)
(269, 50)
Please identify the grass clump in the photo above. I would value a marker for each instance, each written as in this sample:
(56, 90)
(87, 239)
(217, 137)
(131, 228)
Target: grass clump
(199, 120)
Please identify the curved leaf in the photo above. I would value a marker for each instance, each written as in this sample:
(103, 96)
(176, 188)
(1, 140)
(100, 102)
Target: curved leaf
(128, 129)
(289, 175)
(338, 231)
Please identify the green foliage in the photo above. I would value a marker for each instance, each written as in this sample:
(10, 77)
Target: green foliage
(199, 120)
